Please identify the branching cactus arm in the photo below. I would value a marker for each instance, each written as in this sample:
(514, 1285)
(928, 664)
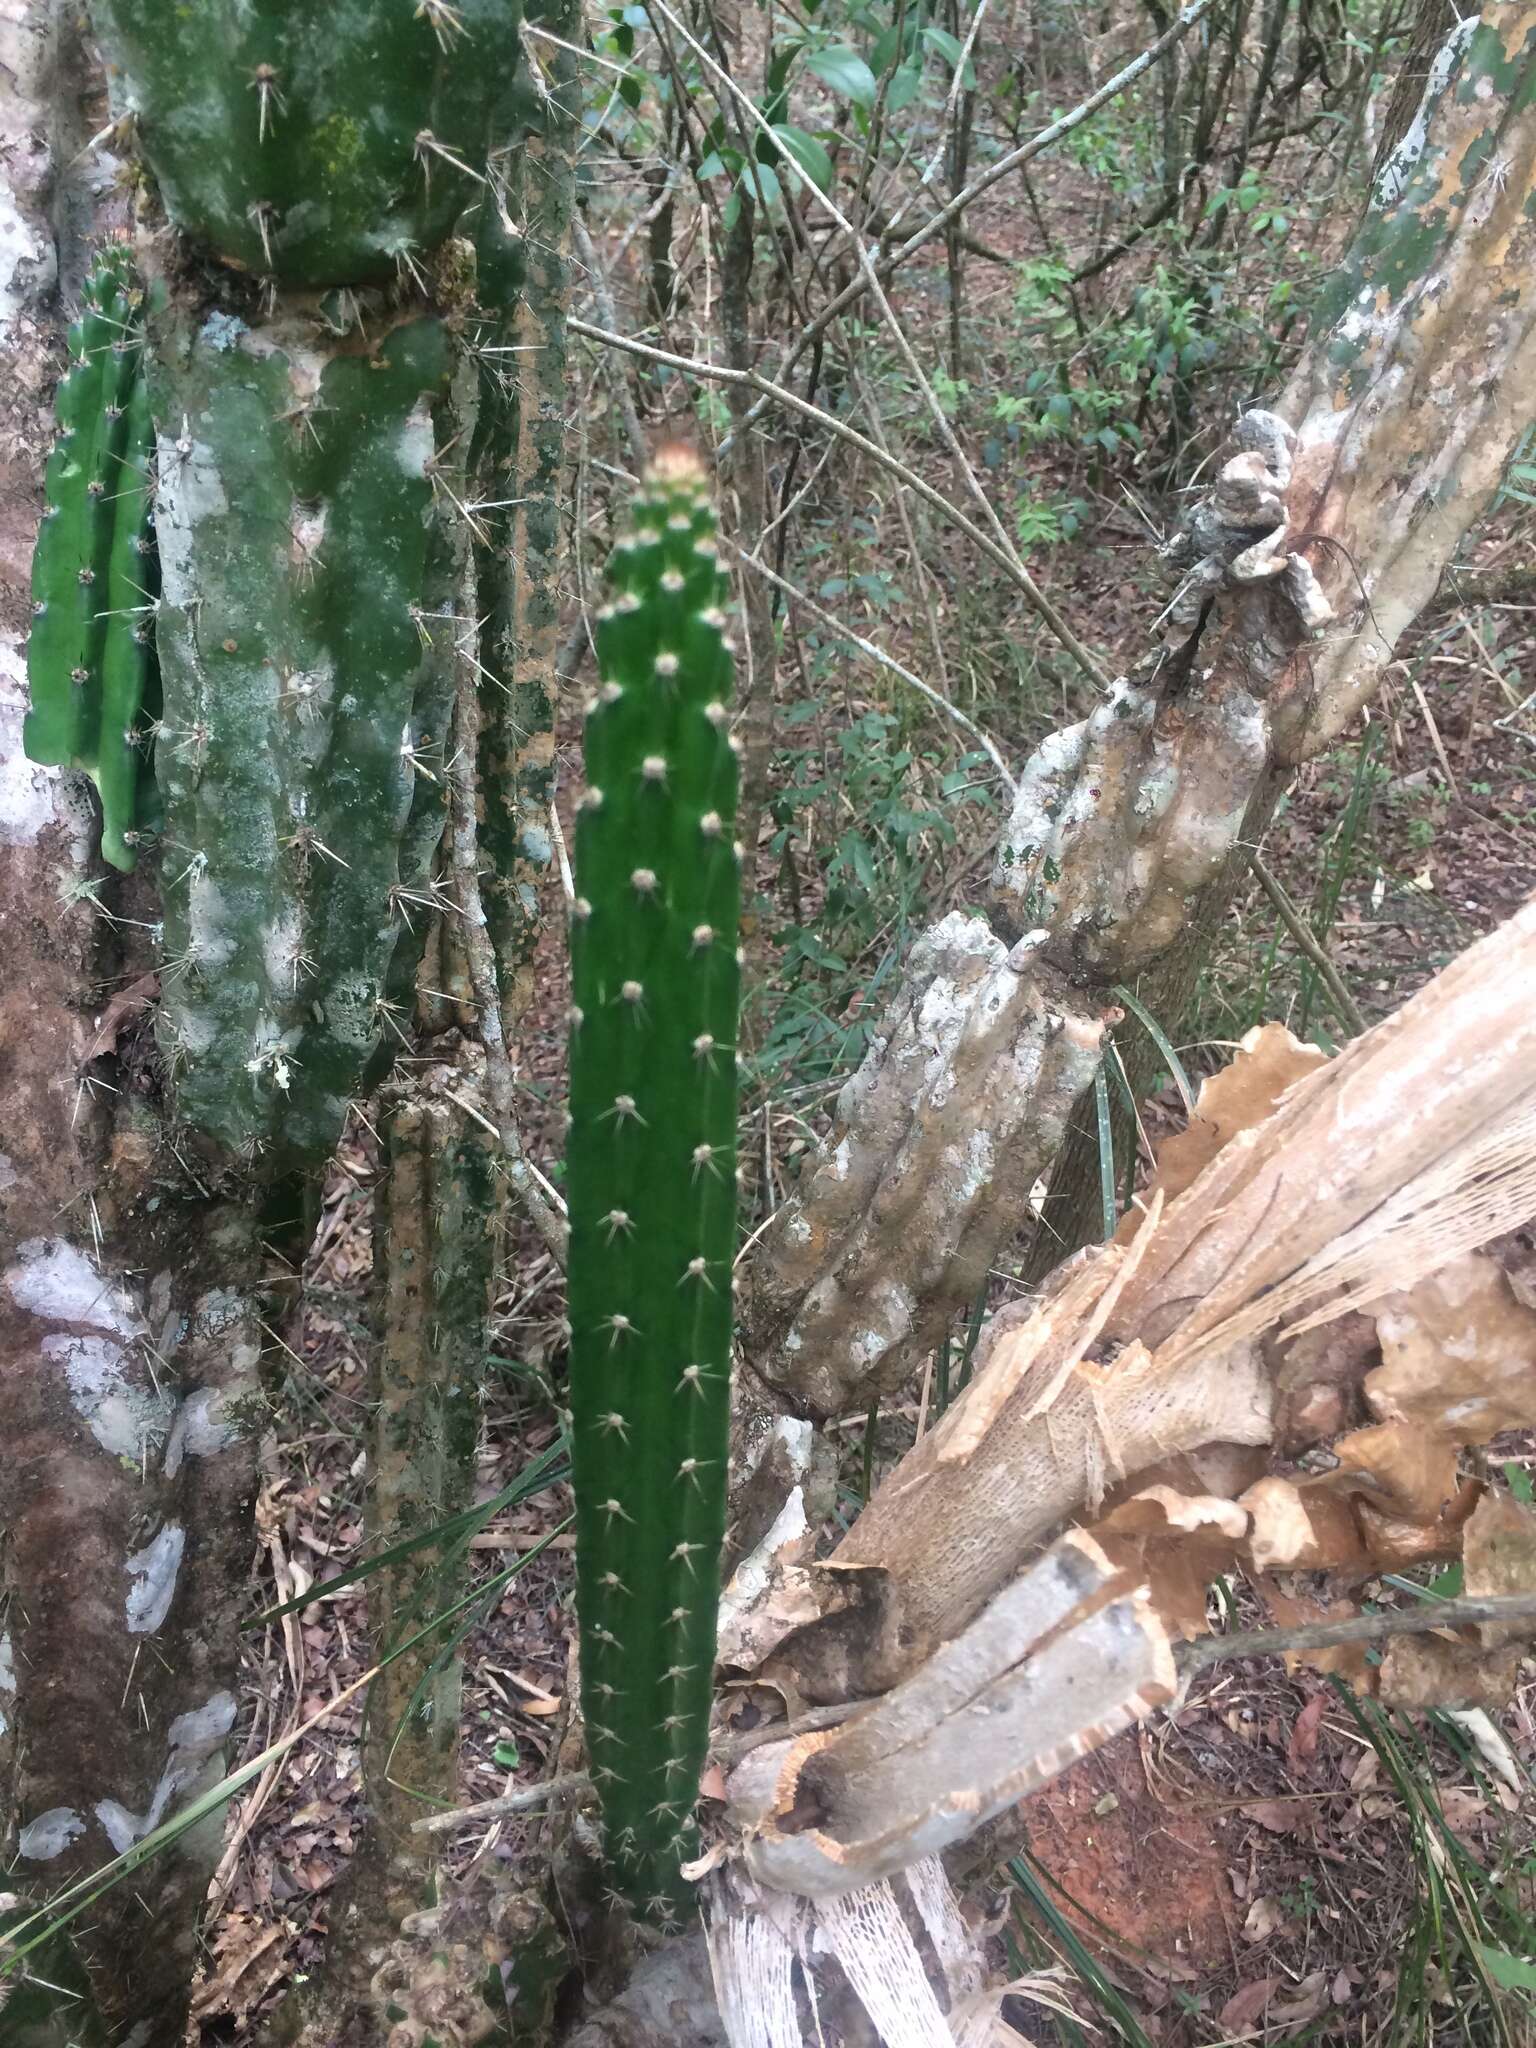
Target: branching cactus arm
(652, 1160)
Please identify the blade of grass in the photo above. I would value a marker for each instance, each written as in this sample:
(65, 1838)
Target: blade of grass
(547, 1469)
(1106, 1152)
(1161, 1040)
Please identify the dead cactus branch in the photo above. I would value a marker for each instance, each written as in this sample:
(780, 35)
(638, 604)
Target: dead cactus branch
(1325, 533)
(1367, 1188)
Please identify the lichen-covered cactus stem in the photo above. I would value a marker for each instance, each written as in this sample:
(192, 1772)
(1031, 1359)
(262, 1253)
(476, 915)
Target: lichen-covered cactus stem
(90, 658)
(651, 1174)
(518, 463)
(307, 653)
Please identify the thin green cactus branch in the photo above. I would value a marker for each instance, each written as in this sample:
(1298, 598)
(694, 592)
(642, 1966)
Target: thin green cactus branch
(651, 1165)
(91, 657)
(315, 144)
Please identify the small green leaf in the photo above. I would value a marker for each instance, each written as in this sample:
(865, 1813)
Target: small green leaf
(631, 91)
(846, 72)
(905, 86)
(1518, 1481)
(506, 1756)
(1509, 1972)
(762, 181)
(808, 153)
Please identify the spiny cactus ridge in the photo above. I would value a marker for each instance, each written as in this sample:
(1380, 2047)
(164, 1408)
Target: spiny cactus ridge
(307, 634)
(316, 145)
(651, 1174)
(91, 657)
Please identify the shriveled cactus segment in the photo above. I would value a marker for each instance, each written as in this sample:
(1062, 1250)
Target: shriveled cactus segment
(651, 1166)
(90, 658)
(314, 143)
(306, 645)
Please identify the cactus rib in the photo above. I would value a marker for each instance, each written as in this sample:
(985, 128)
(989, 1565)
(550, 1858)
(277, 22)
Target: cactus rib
(90, 657)
(651, 1174)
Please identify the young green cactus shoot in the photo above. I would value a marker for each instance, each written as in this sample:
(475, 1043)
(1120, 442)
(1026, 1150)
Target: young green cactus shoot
(652, 1174)
(90, 657)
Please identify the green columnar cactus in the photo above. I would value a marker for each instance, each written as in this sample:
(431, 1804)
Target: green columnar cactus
(90, 658)
(315, 144)
(307, 638)
(651, 1174)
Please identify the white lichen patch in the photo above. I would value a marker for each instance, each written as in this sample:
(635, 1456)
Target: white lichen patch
(123, 1418)
(282, 948)
(8, 1173)
(414, 444)
(1393, 179)
(26, 791)
(50, 1834)
(153, 1570)
(210, 931)
(200, 1429)
(195, 1739)
(55, 1281)
(190, 490)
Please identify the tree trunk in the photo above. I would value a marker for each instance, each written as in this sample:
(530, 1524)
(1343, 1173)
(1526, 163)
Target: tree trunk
(130, 1298)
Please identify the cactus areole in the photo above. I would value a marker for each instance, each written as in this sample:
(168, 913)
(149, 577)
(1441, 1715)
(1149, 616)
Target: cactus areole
(652, 1174)
(316, 144)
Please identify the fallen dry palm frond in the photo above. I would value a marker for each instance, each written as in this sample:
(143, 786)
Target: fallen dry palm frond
(1307, 1195)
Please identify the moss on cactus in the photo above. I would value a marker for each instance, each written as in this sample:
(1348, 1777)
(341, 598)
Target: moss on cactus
(316, 144)
(651, 1173)
(90, 657)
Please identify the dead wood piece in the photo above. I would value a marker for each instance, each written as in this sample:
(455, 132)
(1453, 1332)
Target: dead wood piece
(1060, 1661)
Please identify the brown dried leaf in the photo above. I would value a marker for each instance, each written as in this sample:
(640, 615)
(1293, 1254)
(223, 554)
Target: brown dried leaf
(1243, 2008)
(1268, 1062)
(1476, 1667)
(114, 1019)
(1275, 1816)
(1458, 1354)
(1303, 1743)
(1180, 1542)
(1266, 1916)
(1293, 1528)
(1500, 1553)
(1429, 1671)
(1409, 1473)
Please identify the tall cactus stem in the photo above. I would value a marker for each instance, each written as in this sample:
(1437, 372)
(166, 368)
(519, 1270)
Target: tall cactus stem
(519, 464)
(90, 657)
(651, 1173)
(307, 642)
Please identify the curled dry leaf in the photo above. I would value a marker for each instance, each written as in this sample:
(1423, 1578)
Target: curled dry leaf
(1268, 1062)
(1178, 1543)
(1474, 1667)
